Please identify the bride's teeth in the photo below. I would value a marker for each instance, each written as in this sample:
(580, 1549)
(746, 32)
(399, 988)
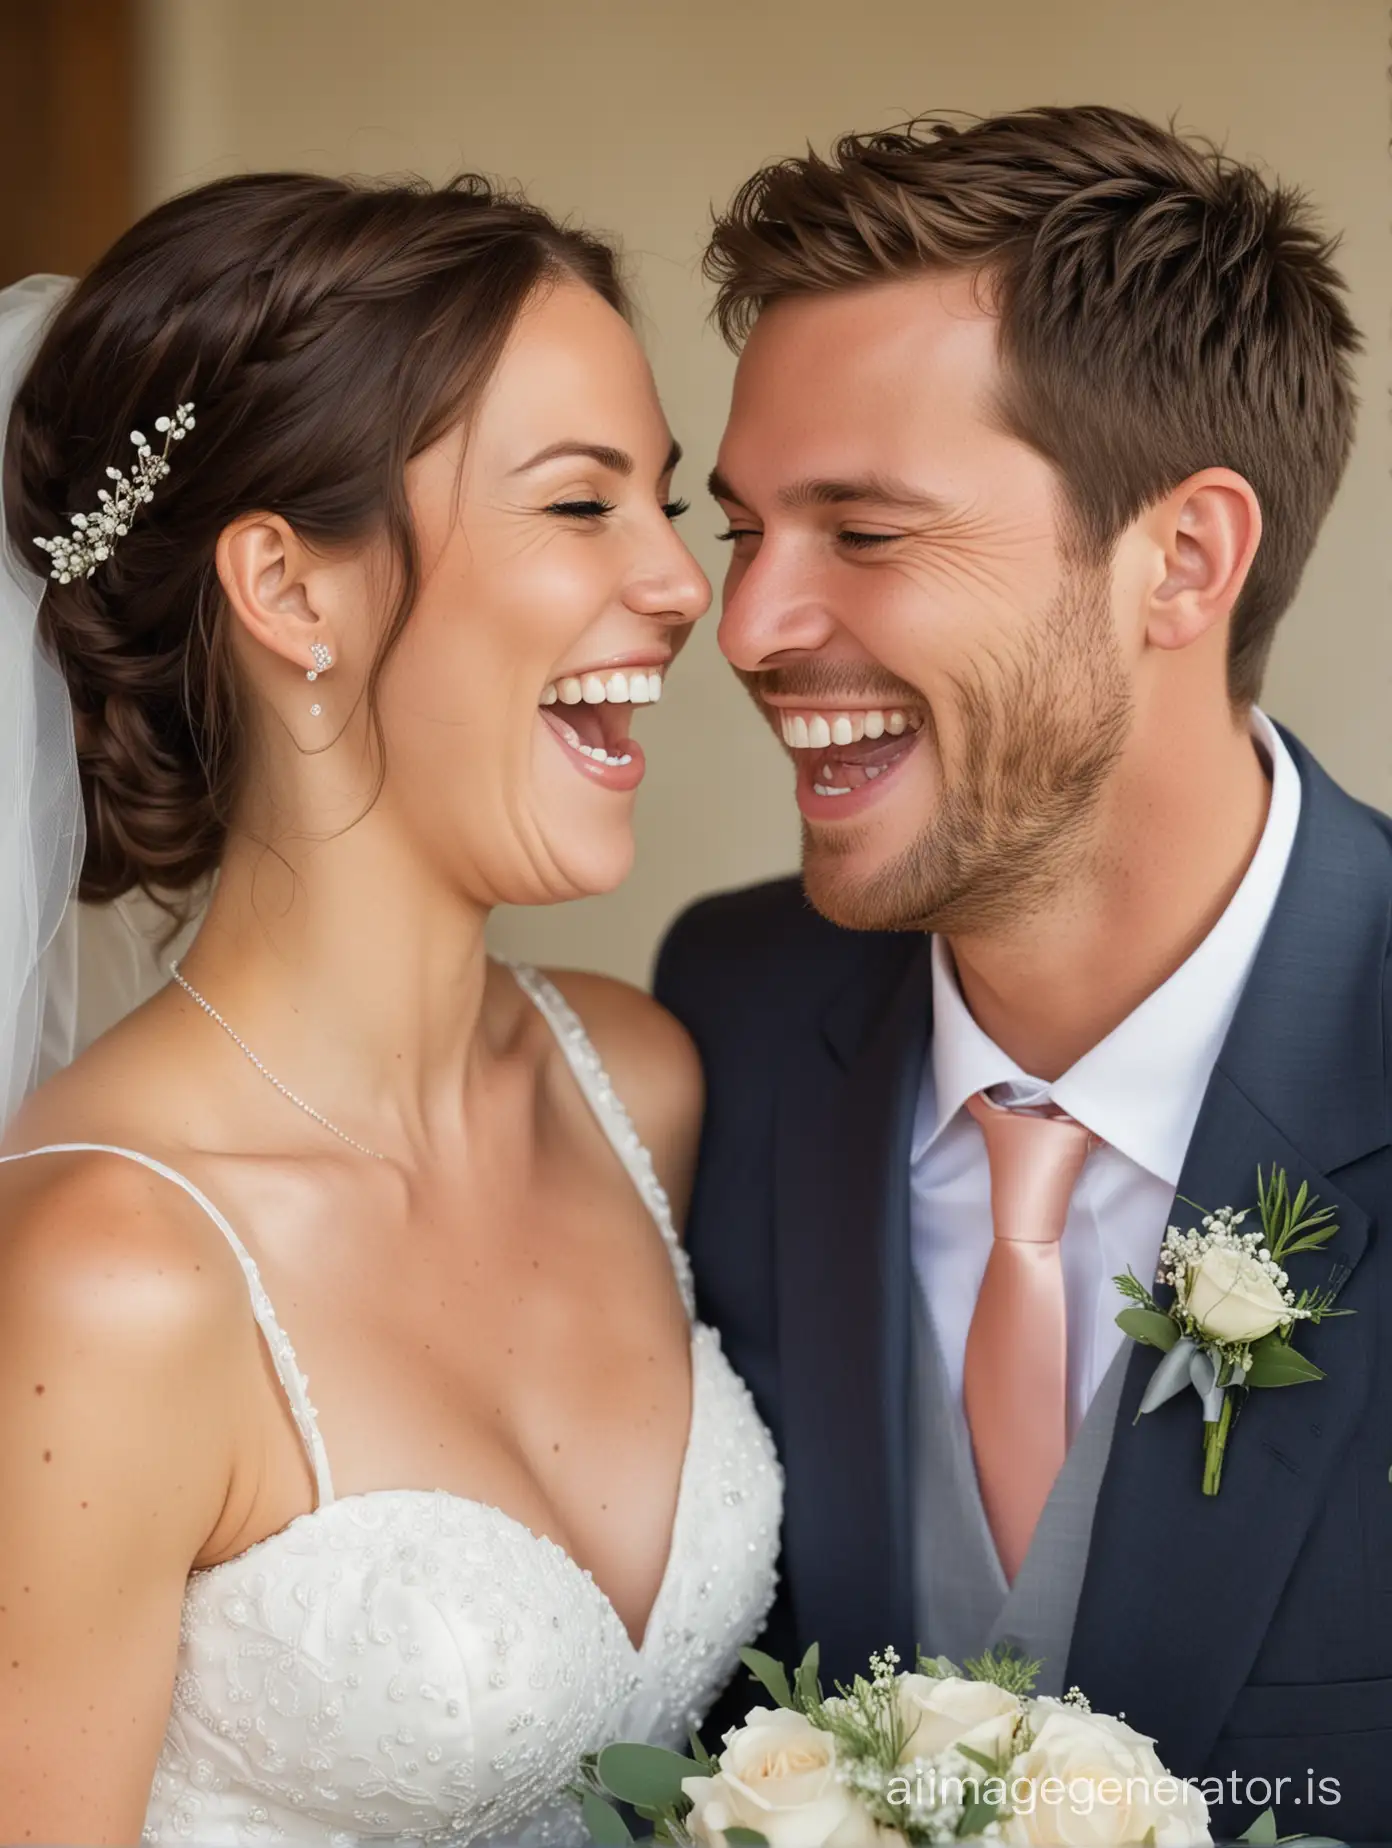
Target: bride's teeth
(617, 689)
(874, 724)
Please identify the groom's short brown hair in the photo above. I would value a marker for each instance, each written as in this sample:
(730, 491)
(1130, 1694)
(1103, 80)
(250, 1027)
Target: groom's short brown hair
(1162, 309)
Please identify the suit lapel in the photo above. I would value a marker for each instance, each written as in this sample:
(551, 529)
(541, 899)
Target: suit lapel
(843, 1268)
(1180, 1588)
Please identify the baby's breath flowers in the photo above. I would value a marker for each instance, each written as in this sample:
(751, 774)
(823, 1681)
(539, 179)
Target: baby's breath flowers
(1234, 1311)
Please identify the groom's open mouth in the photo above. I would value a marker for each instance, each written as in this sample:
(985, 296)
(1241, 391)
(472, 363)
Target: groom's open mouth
(590, 713)
(843, 755)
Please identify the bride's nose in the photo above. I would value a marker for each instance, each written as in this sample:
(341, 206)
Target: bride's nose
(673, 588)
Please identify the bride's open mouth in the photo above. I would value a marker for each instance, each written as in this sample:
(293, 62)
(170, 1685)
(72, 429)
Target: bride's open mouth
(845, 756)
(590, 713)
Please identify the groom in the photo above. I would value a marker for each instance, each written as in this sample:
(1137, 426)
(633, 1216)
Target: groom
(1034, 427)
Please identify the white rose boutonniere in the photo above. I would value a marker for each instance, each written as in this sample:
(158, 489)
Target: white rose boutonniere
(1234, 1312)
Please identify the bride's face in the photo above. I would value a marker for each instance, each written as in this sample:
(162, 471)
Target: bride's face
(554, 596)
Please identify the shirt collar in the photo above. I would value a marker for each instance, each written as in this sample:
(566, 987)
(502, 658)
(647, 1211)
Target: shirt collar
(1141, 1088)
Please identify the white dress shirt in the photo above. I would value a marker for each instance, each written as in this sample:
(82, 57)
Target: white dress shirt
(1140, 1090)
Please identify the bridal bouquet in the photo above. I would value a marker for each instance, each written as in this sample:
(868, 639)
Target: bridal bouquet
(937, 1755)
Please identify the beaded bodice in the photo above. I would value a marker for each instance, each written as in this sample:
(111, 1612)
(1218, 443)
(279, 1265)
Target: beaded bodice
(410, 1665)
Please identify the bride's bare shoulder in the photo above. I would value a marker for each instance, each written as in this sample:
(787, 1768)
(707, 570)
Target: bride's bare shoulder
(98, 1251)
(653, 1065)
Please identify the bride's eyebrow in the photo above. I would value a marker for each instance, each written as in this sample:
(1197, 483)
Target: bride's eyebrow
(617, 461)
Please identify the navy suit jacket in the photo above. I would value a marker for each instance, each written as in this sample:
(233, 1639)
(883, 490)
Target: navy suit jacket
(1251, 1633)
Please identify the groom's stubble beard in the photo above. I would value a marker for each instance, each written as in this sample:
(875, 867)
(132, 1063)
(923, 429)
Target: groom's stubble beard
(1044, 725)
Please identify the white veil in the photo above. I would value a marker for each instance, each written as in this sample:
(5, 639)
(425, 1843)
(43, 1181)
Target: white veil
(42, 834)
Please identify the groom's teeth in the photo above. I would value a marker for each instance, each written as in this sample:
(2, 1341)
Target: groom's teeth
(815, 731)
(824, 789)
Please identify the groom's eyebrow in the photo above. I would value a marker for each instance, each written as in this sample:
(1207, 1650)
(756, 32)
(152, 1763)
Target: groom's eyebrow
(617, 461)
(868, 490)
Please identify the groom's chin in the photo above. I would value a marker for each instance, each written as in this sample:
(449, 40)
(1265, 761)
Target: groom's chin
(844, 882)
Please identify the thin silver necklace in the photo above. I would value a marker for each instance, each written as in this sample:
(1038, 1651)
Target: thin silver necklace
(269, 1076)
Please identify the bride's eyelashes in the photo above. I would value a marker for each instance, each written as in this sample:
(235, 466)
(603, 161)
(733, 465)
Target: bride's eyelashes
(855, 540)
(599, 509)
(581, 509)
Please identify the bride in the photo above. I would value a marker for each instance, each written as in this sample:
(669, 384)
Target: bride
(361, 1463)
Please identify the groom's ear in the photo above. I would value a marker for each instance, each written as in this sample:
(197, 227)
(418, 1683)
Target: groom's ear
(1205, 535)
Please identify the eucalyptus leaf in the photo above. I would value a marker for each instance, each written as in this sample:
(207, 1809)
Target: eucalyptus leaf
(976, 1816)
(769, 1674)
(1276, 1363)
(1263, 1831)
(645, 1775)
(746, 1838)
(806, 1688)
(987, 1763)
(603, 1823)
(1150, 1327)
(1170, 1377)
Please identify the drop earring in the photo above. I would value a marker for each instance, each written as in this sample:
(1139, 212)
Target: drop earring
(323, 661)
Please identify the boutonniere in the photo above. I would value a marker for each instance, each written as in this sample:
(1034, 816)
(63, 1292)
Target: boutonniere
(1231, 1325)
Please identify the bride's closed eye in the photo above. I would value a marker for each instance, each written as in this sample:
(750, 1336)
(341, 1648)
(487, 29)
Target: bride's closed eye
(598, 509)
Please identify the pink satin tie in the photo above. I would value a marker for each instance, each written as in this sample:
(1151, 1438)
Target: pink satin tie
(1015, 1383)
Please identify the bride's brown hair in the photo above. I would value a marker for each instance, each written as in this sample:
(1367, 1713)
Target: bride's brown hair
(326, 331)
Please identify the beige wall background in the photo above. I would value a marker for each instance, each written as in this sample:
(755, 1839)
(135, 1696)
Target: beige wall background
(636, 115)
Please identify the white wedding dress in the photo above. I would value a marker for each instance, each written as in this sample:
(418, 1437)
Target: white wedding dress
(412, 1666)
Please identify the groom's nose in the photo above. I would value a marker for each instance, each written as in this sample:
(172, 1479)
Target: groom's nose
(772, 611)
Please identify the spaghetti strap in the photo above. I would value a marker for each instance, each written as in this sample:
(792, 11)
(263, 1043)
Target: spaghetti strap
(294, 1383)
(614, 1119)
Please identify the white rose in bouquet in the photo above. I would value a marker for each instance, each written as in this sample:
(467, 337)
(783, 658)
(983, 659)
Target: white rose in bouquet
(1232, 1298)
(1090, 1781)
(941, 1712)
(778, 1775)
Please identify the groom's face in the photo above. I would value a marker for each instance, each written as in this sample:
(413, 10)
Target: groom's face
(941, 667)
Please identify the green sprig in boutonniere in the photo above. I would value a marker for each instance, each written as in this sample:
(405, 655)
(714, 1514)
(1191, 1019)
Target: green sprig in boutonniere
(1234, 1313)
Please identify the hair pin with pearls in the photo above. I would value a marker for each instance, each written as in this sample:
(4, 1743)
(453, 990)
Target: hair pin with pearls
(94, 534)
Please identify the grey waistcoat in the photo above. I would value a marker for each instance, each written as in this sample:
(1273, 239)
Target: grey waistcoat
(962, 1603)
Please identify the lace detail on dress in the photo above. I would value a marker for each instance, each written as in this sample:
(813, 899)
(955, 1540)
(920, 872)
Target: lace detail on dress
(607, 1105)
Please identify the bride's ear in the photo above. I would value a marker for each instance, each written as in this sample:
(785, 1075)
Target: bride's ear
(1206, 535)
(276, 587)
